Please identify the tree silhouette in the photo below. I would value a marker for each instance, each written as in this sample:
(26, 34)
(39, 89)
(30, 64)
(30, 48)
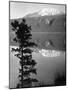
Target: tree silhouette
(24, 53)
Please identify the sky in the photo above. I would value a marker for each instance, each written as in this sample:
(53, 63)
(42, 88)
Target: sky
(19, 10)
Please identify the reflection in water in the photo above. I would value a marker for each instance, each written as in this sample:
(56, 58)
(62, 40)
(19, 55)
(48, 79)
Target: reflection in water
(49, 53)
(47, 68)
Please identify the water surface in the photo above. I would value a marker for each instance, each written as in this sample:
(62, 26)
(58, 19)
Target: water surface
(47, 68)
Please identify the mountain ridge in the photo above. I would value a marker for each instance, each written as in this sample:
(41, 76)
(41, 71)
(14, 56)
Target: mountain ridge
(56, 23)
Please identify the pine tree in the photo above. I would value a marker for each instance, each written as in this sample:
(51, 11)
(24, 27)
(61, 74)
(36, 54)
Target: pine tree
(23, 37)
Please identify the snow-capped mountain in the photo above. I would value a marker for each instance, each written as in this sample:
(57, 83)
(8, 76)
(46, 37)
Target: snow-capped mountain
(49, 11)
(45, 12)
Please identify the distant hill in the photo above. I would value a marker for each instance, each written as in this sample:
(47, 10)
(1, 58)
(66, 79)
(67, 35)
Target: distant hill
(45, 28)
(54, 23)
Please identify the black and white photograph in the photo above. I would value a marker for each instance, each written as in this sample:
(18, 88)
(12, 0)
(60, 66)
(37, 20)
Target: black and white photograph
(37, 44)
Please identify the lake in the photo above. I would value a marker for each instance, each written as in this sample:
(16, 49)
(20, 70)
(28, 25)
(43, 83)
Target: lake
(47, 67)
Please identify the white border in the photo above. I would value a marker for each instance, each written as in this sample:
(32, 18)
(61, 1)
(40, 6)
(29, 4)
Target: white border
(4, 43)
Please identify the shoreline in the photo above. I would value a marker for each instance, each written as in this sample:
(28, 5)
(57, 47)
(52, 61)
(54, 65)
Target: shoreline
(44, 52)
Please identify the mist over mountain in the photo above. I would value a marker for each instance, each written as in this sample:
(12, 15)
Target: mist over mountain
(45, 12)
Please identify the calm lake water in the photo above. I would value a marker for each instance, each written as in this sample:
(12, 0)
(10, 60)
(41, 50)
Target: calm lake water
(47, 67)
